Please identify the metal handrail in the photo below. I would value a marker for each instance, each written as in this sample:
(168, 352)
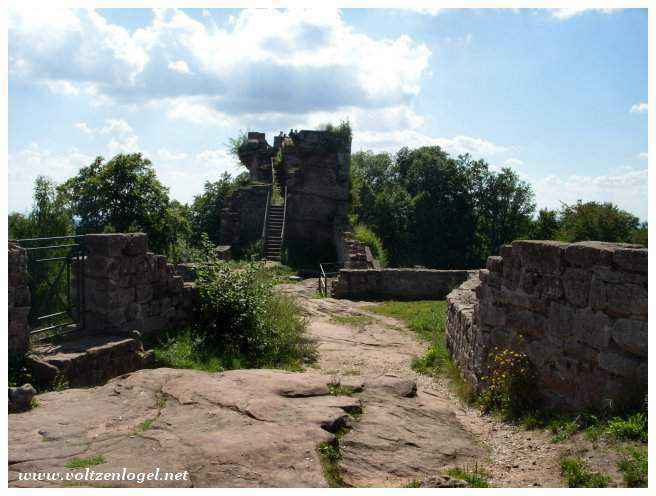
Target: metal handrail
(323, 277)
(47, 239)
(284, 216)
(266, 216)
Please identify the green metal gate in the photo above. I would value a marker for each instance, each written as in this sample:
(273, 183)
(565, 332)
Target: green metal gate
(56, 279)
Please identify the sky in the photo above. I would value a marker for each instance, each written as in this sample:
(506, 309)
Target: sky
(558, 95)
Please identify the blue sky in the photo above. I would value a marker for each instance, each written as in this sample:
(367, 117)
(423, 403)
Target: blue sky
(560, 96)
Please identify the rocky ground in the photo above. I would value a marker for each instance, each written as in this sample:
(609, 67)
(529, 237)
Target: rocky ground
(262, 428)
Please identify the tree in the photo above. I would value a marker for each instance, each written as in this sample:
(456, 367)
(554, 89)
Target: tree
(596, 221)
(504, 208)
(49, 215)
(546, 225)
(122, 195)
(205, 211)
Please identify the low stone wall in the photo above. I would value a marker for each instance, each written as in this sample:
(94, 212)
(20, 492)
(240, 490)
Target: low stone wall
(397, 284)
(578, 311)
(129, 288)
(18, 299)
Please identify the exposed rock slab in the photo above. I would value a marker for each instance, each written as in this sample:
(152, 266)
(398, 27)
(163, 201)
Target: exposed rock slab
(247, 428)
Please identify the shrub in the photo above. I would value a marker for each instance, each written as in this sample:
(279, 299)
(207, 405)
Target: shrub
(634, 468)
(368, 238)
(475, 477)
(632, 428)
(242, 317)
(578, 474)
(510, 385)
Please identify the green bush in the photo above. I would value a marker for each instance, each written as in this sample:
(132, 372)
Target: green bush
(510, 385)
(633, 427)
(578, 474)
(634, 468)
(242, 317)
(368, 238)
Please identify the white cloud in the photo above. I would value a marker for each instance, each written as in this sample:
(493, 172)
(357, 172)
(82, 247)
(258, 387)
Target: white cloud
(426, 10)
(33, 160)
(643, 156)
(639, 108)
(124, 144)
(179, 66)
(265, 61)
(513, 162)
(111, 127)
(167, 155)
(626, 187)
(564, 14)
(84, 127)
(61, 87)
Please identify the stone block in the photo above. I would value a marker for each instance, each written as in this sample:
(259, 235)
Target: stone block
(561, 320)
(137, 244)
(589, 253)
(631, 336)
(526, 323)
(544, 257)
(576, 285)
(491, 315)
(102, 267)
(175, 284)
(133, 311)
(592, 328)
(144, 293)
(619, 364)
(494, 264)
(633, 260)
(105, 245)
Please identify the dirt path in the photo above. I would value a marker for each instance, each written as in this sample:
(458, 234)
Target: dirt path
(404, 439)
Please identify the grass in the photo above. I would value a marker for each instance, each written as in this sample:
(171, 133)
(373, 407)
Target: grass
(577, 473)
(634, 467)
(85, 462)
(475, 477)
(340, 390)
(352, 320)
(145, 425)
(627, 427)
(329, 457)
(288, 347)
(425, 317)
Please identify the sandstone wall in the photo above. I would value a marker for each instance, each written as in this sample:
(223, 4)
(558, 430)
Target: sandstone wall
(18, 299)
(398, 284)
(578, 311)
(242, 220)
(127, 288)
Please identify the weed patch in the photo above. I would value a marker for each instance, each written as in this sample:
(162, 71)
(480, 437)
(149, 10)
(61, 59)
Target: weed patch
(330, 456)
(475, 477)
(85, 462)
(577, 473)
(634, 467)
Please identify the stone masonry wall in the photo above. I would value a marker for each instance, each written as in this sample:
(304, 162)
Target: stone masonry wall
(18, 299)
(398, 284)
(129, 288)
(578, 311)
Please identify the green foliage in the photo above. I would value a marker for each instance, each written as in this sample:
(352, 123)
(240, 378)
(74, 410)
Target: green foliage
(342, 131)
(562, 428)
(124, 195)
(596, 221)
(431, 361)
(235, 143)
(634, 427)
(577, 473)
(475, 477)
(240, 315)
(546, 225)
(368, 238)
(205, 211)
(511, 383)
(426, 317)
(85, 462)
(433, 210)
(634, 467)
(184, 350)
(19, 373)
(50, 215)
(330, 456)
(340, 390)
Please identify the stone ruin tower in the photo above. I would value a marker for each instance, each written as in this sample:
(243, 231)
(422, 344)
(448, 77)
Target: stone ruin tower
(297, 199)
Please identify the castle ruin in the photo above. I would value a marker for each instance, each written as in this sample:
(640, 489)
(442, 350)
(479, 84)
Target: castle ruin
(296, 202)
